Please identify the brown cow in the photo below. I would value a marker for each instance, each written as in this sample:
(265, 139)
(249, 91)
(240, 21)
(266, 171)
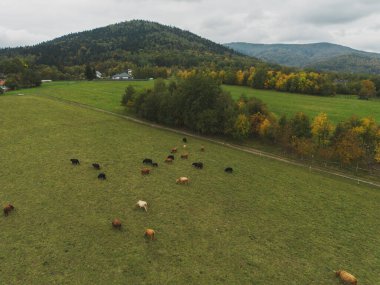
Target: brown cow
(174, 150)
(182, 180)
(169, 160)
(185, 156)
(7, 209)
(149, 233)
(116, 223)
(346, 277)
(145, 171)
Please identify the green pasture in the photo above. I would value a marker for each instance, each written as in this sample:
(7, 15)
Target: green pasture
(338, 108)
(107, 95)
(267, 223)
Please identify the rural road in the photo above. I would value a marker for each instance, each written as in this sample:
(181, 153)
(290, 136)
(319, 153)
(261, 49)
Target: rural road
(233, 146)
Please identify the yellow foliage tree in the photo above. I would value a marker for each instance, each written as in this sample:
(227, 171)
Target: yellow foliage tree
(241, 127)
(377, 152)
(321, 128)
(239, 77)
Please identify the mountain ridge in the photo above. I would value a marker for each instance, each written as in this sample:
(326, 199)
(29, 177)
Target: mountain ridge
(321, 56)
(137, 42)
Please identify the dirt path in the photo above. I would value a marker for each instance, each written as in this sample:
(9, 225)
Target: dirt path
(233, 146)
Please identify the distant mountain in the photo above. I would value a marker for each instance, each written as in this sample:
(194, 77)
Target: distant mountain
(137, 42)
(319, 56)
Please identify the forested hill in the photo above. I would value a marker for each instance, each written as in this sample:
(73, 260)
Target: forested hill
(137, 42)
(319, 56)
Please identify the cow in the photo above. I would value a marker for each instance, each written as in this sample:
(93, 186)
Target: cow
(185, 156)
(198, 165)
(149, 233)
(155, 164)
(346, 277)
(74, 161)
(228, 169)
(184, 140)
(174, 150)
(171, 157)
(7, 209)
(116, 223)
(182, 180)
(202, 148)
(142, 205)
(169, 160)
(145, 171)
(147, 161)
(96, 166)
(102, 176)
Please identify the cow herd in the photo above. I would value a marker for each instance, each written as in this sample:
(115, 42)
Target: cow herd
(150, 233)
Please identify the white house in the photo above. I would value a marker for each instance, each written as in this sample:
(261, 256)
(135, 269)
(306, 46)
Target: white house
(123, 76)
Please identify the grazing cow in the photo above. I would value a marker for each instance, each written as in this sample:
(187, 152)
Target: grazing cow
(7, 209)
(155, 164)
(228, 169)
(74, 161)
(147, 161)
(142, 205)
(174, 150)
(116, 223)
(145, 171)
(184, 140)
(102, 176)
(202, 148)
(346, 277)
(198, 165)
(149, 233)
(169, 160)
(171, 157)
(96, 166)
(182, 180)
(185, 156)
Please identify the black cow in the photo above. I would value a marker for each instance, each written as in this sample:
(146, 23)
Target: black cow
(171, 157)
(74, 161)
(102, 176)
(184, 140)
(155, 164)
(96, 166)
(228, 170)
(147, 161)
(198, 165)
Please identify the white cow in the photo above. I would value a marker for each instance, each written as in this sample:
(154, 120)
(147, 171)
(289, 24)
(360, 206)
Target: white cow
(142, 204)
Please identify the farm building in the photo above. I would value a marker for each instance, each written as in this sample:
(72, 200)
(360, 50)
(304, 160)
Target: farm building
(123, 76)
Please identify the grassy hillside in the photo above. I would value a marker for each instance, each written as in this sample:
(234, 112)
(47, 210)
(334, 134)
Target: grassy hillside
(268, 223)
(107, 95)
(319, 56)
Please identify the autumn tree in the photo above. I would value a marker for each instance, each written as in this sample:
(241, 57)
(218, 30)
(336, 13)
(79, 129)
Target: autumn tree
(348, 148)
(377, 152)
(241, 127)
(321, 129)
(367, 89)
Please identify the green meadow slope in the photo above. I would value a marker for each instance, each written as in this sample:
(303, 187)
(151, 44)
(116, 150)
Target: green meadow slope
(267, 223)
(107, 95)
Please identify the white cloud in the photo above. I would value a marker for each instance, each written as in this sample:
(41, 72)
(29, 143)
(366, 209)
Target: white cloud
(349, 22)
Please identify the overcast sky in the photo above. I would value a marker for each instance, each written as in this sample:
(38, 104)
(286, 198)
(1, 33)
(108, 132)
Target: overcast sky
(354, 23)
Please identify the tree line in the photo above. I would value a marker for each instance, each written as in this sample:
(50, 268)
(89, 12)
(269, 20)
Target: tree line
(198, 103)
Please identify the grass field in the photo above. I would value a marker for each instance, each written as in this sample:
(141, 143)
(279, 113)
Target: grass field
(338, 108)
(267, 223)
(107, 95)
